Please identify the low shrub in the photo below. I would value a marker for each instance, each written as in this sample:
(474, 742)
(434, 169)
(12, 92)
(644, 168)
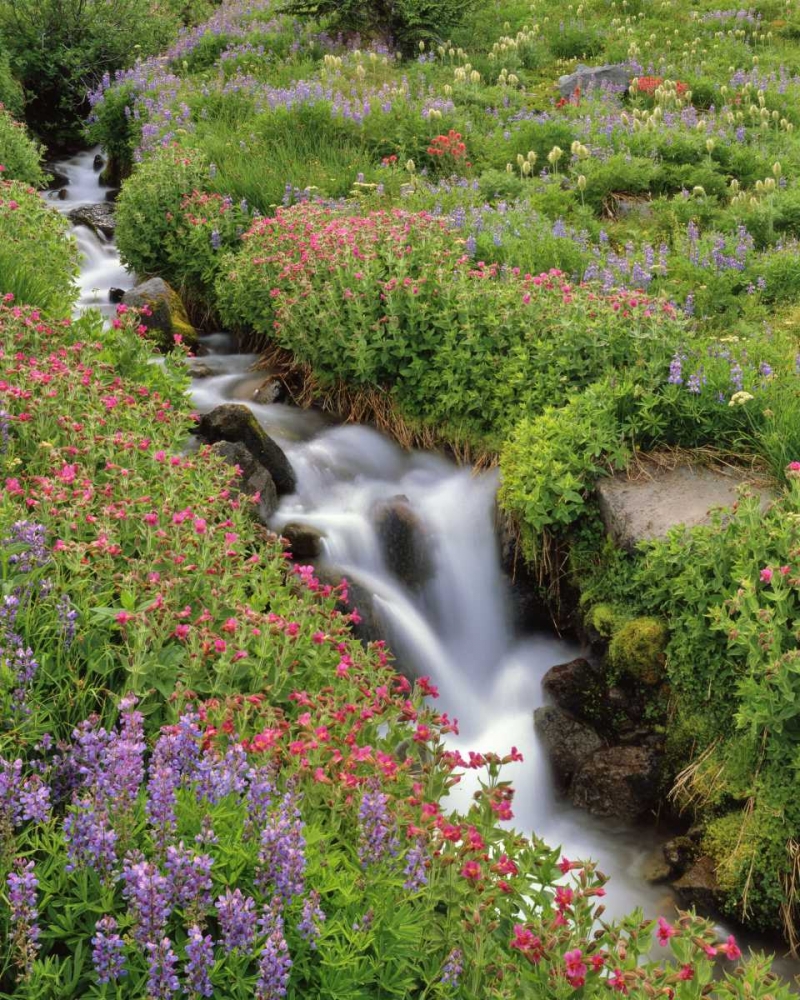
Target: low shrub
(20, 156)
(38, 261)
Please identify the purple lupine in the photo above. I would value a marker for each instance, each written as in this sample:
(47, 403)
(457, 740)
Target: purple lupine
(274, 962)
(215, 777)
(676, 370)
(149, 898)
(10, 804)
(67, 620)
(22, 885)
(282, 859)
(191, 879)
(216, 239)
(162, 789)
(377, 838)
(91, 840)
(695, 382)
(737, 377)
(200, 963)
(312, 916)
(415, 869)
(453, 967)
(237, 920)
(258, 799)
(5, 430)
(108, 951)
(30, 537)
(162, 980)
(34, 800)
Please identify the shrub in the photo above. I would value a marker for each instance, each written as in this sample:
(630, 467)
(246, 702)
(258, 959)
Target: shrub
(38, 261)
(20, 156)
(405, 22)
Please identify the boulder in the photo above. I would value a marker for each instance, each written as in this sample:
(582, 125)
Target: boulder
(679, 853)
(305, 541)
(566, 741)
(618, 781)
(402, 539)
(236, 423)
(58, 179)
(116, 294)
(254, 477)
(100, 218)
(656, 869)
(644, 509)
(112, 195)
(168, 317)
(98, 162)
(575, 687)
(612, 76)
(271, 390)
(63, 194)
(198, 368)
(699, 887)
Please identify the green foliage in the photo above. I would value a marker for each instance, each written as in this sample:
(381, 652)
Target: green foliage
(20, 156)
(11, 95)
(38, 261)
(637, 648)
(406, 22)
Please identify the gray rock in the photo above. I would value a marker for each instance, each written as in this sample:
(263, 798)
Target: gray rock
(656, 870)
(619, 781)
(305, 541)
(679, 853)
(57, 178)
(111, 195)
(98, 163)
(234, 422)
(402, 538)
(567, 742)
(254, 477)
(100, 218)
(585, 78)
(168, 314)
(699, 887)
(271, 390)
(63, 194)
(199, 369)
(116, 294)
(644, 509)
(575, 687)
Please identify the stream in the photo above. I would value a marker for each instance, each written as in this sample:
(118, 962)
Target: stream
(455, 626)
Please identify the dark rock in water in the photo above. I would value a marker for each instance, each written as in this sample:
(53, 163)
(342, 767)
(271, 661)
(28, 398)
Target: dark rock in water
(679, 853)
(271, 390)
(528, 609)
(576, 687)
(699, 887)
(98, 163)
(116, 294)
(199, 369)
(305, 541)
(585, 78)
(168, 315)
(402, 538)
(100, 218)
(254, 478)
(112, 194)
(57, 178)
(618, 781)
(566, 741)
(63, 194)
(234, 422)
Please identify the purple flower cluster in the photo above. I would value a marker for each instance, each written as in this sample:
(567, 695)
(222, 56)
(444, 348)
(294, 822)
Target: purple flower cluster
(453, 967)
(149, 898)
(200, 963)
(108, 951)
(22, 885)
(377, 836)
(274, 962)
(190, 875)
(237, 920)
(312, 916)
(282, 858)
(162, 980)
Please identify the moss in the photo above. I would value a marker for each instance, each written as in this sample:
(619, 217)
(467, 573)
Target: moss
(637, 648)
(726, 840)
(604, 619)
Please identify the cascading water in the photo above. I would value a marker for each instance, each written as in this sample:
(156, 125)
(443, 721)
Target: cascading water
(454, 624)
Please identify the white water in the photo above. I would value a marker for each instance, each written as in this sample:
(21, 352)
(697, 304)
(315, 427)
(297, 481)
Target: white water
(456, 627)
(101, 269)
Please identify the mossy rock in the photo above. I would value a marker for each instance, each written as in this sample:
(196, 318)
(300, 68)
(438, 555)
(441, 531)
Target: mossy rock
(637, 649)
(604, 619)
(167, 318)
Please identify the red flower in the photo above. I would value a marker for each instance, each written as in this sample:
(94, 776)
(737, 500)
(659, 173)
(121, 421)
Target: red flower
(472, 871)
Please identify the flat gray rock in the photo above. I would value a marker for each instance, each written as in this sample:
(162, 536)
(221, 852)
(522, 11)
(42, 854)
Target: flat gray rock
(613, 76)
(645, 509)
